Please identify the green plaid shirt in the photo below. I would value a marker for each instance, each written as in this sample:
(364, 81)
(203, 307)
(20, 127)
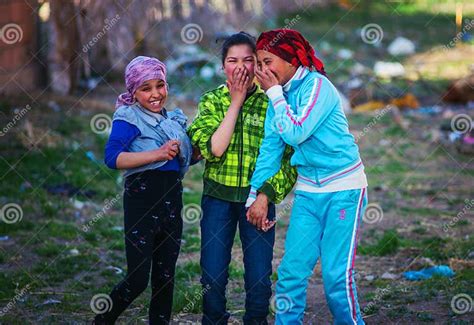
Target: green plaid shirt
(228, 177)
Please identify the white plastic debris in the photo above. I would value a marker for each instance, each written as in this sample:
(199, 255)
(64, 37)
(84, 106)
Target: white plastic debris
(389, 69)
(78, 204)
(49, 302)
(324, 46)
(345, 54)
(369, 277)
(355, 83)
(54, 106)
(384, 142)
(207, 73)
(74, 252)
(358, 69)
(389, 276)
(401, 46)
(116, 269)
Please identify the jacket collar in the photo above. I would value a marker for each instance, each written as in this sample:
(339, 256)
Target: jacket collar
(152, 118)
(299, 75)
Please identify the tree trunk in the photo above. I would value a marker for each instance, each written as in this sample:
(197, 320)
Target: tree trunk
(63, 59)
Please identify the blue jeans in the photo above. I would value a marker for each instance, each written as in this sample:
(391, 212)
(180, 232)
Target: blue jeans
(218, 227)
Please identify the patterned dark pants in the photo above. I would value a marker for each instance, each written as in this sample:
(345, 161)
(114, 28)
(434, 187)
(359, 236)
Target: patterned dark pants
(153, 227)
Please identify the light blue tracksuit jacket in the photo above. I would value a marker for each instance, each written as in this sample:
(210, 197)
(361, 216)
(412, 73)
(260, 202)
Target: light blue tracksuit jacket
(307, 114)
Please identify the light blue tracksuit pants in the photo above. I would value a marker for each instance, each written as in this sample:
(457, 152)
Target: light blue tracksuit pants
(321, 225)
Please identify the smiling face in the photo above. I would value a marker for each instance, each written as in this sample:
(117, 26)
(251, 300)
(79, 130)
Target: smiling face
(239, 56)
(282, 69)
(152, 95)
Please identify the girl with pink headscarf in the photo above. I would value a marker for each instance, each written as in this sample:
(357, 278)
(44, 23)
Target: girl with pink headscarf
(150, 144)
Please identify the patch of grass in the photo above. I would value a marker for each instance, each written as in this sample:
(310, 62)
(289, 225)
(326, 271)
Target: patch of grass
(65, 267)
(91, 237)
(187, 299)
(238, 289)
(420, 230)
(425, 316)
(61, 230)
(434, 248)
(388, 244)
(274, 276)
(192, 197)
(462, 223)
(49, 249)
(192, 243)
(110, 274)
(395, 131)
(9, 281)
(188, 271)
(188, 292)
(398, 311)
(70, 125)
(235, 271)
(419, 211)
(23, 225)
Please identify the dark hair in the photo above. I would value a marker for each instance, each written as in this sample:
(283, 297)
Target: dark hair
(238, 39)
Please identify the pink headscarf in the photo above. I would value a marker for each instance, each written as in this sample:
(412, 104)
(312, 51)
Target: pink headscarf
(139, 70)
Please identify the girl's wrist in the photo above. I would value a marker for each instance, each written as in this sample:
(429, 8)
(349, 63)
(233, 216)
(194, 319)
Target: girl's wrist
(158, 155)
(235, 106)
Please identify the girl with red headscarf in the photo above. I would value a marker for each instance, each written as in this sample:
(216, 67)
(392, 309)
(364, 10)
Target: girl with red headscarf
(330, 197)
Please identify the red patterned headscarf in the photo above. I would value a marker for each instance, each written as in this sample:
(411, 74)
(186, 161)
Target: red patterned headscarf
(291, 46)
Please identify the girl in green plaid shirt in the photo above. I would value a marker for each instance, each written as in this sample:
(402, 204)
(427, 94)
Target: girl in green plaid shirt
(228, 129)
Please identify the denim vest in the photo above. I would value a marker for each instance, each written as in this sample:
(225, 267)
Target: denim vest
(155, 130)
